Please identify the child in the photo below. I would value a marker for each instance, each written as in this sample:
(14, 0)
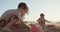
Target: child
(20, 12)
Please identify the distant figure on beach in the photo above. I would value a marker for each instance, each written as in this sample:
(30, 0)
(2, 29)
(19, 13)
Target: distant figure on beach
(15, 16)
(42, 20)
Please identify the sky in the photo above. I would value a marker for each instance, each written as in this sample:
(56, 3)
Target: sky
(51, 8)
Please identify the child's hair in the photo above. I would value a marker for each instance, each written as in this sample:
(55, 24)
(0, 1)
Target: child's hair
(22, 5)
(42, 14)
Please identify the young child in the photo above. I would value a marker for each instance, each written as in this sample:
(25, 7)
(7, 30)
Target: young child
(41, 20)
(20, 12)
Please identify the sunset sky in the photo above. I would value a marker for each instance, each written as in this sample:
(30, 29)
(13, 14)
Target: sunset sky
(51, 8)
